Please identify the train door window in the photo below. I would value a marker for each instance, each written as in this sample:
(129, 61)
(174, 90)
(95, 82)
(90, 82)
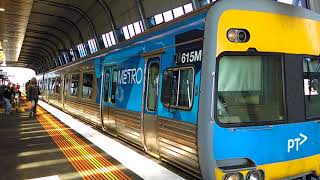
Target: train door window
(74, 84)
(114, 85)
(153, 76)
(66, 84)
(106, 84)
(48, 84)
(57, 85)
(52, 84)
(311, 69)
(87, 85)
(177, 88)
(40, 84)
(45, 84)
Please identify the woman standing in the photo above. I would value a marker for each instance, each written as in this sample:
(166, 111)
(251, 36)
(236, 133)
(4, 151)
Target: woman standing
(33, 96)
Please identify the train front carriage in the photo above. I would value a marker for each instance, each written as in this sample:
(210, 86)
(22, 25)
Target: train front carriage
(258, 113)
(229, 91)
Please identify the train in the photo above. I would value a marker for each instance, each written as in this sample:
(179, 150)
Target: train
(228, 91)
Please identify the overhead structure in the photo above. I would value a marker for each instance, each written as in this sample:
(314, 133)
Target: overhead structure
(14, 16)
(44, 34)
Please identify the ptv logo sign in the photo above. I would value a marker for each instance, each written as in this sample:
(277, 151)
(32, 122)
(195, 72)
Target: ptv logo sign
(293, 144)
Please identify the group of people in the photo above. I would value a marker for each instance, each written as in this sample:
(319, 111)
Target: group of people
(9, 96)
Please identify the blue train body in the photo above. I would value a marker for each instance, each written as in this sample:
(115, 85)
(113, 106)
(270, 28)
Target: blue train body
(188, 134)
(129, 94)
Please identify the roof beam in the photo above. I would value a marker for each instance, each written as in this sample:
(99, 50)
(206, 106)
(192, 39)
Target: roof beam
(45, 46)
(142, 14)
(34, 66)
(66, 20)
(49, 34)
(31, 54)
(78, 10)
(38, 47)
(43, 51)
(110, 17)
(28, 61)
(54, 36)
(44, 39)
(60, 30)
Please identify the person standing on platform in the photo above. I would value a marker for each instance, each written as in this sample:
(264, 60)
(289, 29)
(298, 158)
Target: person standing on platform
(6, 99)
(26, 86)
(33, 93)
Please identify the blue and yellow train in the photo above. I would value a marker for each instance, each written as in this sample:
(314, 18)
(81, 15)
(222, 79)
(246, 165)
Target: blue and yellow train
(229, 91)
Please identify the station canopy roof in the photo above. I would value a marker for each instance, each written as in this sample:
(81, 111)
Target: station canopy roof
(39, 34)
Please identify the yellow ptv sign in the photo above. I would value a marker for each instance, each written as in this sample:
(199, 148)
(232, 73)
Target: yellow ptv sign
(1, 56)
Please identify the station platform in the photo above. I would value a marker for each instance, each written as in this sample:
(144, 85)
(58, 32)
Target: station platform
(54, 145)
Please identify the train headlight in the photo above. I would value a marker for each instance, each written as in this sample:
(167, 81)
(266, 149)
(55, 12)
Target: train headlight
(238, 35)
(233, 176)
(255, 175)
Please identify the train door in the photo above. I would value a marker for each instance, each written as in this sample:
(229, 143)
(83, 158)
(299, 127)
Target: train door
(65, 88)
(108, 98)
(150, 108)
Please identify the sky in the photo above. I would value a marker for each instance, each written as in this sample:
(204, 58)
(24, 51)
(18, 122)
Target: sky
(18, 75)
(286, 1)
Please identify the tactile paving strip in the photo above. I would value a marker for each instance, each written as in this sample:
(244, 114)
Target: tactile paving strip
(87, 161)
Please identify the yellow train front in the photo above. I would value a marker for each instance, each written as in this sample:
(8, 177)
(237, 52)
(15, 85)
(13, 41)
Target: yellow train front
(259, 108)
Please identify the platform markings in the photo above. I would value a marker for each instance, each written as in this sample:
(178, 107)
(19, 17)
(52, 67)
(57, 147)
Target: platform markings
(89, 163)
(142, 166)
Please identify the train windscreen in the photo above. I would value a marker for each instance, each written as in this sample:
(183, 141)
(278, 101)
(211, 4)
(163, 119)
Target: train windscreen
(250, 89)
(311, 69)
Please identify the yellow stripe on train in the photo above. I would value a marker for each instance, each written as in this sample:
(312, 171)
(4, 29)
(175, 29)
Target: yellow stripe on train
(284, 169)
(270, 32)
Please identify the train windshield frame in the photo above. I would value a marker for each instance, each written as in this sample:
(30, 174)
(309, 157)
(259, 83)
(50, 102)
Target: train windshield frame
(250, 89)
(311, 86)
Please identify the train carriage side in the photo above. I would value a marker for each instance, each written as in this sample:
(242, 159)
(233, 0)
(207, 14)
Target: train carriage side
(79, 92)
(259, 105)
(41, 85)
(150, 91)
(55, 95)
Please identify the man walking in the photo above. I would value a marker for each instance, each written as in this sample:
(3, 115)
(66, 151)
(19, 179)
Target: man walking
(33, 96)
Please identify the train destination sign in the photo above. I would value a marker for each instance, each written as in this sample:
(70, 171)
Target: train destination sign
(189, 47)
(189, 57)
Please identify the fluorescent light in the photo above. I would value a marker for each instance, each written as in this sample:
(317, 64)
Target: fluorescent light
(2, 9)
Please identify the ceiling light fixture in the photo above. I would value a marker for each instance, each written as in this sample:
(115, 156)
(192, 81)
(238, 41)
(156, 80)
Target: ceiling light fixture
(2, 9)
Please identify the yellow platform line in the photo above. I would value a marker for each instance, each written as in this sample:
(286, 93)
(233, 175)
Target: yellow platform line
(88, 162)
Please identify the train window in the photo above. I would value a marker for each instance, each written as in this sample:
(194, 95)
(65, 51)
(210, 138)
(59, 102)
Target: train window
(250, 89)
(87, 85)
(311, 69)
(177, 88)
(152, 86)
(52, 84)
(185, 88)
(74, 84)
(114, 85)
(45, 84)
(106, 84)
(66, 84)
(57, 85)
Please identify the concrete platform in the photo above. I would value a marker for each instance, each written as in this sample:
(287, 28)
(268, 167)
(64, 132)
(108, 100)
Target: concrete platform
(61, 147)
